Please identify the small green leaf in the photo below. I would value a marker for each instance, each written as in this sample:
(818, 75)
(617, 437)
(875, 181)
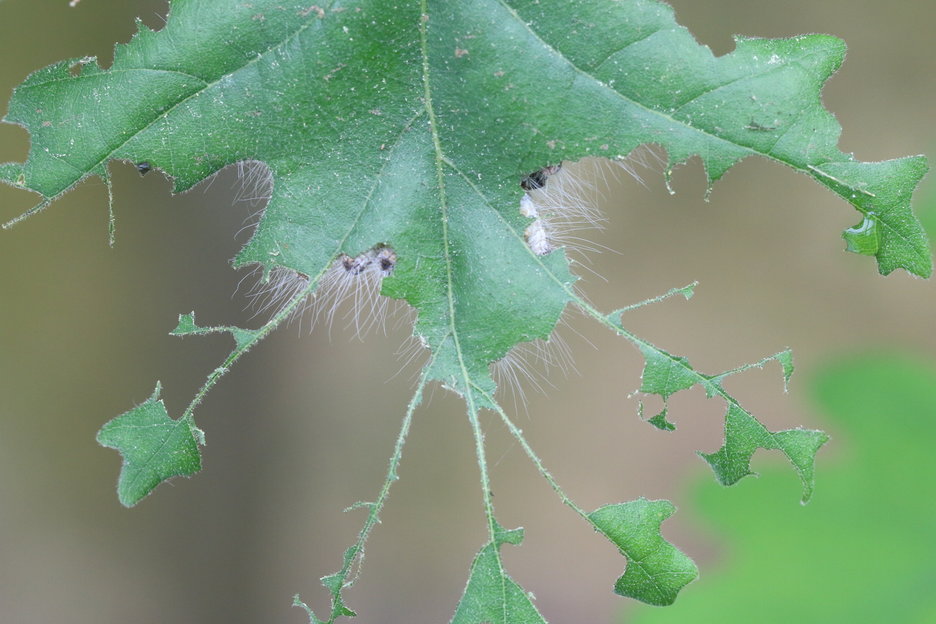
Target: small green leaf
(785, 358)
(793, 565)
(744, 435)
(491, 596)
(188, 326)
(656, 570)
(686, 291)
(154, 447)
(665, 374)
(659, 421)
(334, 583)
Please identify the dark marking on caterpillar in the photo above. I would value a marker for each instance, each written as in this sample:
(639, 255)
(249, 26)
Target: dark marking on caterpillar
(381, 258)
(537, 179)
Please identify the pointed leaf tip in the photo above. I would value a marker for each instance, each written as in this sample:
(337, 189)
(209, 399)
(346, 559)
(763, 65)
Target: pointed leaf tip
(785, 358)
(186, 325)
(491, 596)
(155, 448)
(882, 192)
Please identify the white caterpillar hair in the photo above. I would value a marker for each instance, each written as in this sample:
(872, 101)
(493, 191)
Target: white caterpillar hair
(561, 201)
(349, 288)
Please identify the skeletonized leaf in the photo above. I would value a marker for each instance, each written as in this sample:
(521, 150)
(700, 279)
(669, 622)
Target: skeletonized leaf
(665, 374)
(744, 435)
(187, 326)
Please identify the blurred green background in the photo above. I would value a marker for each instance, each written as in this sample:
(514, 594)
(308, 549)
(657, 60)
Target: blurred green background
(303, 426)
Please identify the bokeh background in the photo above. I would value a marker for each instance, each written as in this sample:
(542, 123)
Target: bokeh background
(303, 426)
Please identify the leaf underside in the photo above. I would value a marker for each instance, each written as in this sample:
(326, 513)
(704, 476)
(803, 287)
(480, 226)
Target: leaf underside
(656, 570)
(491, 596)
(155, 448)
(429, 113)
(407, 126)
(665, 374)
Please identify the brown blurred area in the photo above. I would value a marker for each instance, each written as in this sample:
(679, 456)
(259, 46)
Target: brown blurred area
(303, 426)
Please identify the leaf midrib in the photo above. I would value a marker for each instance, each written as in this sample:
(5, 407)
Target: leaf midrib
(440, 182)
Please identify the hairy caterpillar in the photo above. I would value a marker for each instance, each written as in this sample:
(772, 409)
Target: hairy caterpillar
(557, 199)
(352, 281)
(561, 201)
(351, 284)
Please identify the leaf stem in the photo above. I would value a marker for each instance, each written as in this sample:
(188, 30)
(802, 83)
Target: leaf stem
(517, 433)
(482, 460)
(641, 344)
(685, 291)
(440, 158)
(243, 347)
(356, 552)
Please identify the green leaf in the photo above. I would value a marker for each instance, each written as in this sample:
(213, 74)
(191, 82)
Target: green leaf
(899, 236)
(811, 564)
(389, 124)
(335, 583)
(656, 570)
(491, 596)
(187, 326)
(406, 128)
(744, 435)
(450, 122)
(154, 447)
(665, 374)
(659, 421)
